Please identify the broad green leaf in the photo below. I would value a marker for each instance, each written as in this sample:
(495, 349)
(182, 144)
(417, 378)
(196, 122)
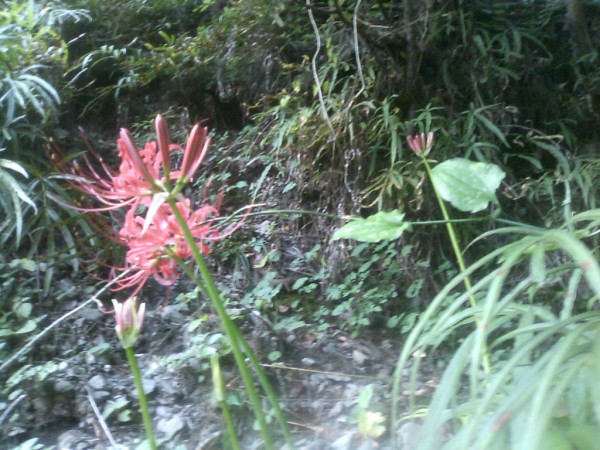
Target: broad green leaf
(378, 227)
(23, 310)
(28, 264)
(28, 327)
(469, 186)
(584, 436)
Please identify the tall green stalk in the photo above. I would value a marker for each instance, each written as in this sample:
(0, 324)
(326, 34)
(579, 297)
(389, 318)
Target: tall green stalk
(220, 397)
(137, 377)
(451, 232)
(210, 290)
(457, 253)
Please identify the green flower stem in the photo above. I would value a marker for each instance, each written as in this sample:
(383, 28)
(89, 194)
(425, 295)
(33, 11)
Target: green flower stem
(137, 377)
(458, 254)
(262, 377)
(209, 288)
(219, 387)
(451, 232)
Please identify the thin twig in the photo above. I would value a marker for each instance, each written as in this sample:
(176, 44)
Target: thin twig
(45, 331)
(10, 408)
(103, 424)
(314, 67)
(322, 372)
(356, 49)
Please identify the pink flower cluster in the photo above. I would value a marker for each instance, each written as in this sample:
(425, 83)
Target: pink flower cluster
(152, 243)
(142, 186)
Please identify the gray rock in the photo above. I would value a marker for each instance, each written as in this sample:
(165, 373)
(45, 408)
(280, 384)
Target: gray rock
(308, 361)
(149, 385)
(176, 312)
(101, 395)
(91, 314)
(170, 427)
(344, 442)
(408, 435)
(70, 440)
(63, 386)
(97, 382)
(90, 359)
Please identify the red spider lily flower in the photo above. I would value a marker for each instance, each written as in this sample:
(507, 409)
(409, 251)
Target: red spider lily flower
(130, 318)
(94, 179)
(141, 173)
(152, 242)
(142, 185)
(420, 144)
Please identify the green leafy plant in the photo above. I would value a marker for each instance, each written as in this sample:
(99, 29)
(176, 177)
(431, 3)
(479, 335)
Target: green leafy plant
(12, 193)
(526, 339)
(166, 235)
(29, 43)
(18, 293)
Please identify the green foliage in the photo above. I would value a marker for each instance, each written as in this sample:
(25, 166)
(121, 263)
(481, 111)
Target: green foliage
(12, 193)
(378, 227)
(31, 51)
(29, 44)
(467, 185)
(527, 340)
(323, 128)
(18, 294)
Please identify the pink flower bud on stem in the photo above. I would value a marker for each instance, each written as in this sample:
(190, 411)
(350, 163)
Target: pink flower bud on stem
(164, 141)
(194, 153)
(130, 319)
(420, 143)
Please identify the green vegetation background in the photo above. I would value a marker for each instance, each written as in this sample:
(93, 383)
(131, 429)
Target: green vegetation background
(310, 103)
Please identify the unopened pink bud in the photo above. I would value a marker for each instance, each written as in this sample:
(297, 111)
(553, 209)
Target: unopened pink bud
(164, 141)
(420, 143)
(129, 318)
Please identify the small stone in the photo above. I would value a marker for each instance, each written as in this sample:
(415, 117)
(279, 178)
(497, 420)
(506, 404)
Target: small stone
(330, 347)
(308, 361)
(408, 435)
(176, 312)
(90, 359)
(101, 395)
(91, 314)
(170, 427)
(64, 386)
(167, 387)
(70, 439)
(149, 385)
(344, 442)
(163, 411)
(65, 284)
(97, 382)
(359, 357)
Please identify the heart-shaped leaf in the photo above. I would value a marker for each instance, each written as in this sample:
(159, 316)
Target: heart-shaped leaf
(469, 186)
(378, 227)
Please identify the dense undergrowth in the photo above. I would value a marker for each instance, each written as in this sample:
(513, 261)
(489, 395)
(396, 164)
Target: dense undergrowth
(310, 104)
